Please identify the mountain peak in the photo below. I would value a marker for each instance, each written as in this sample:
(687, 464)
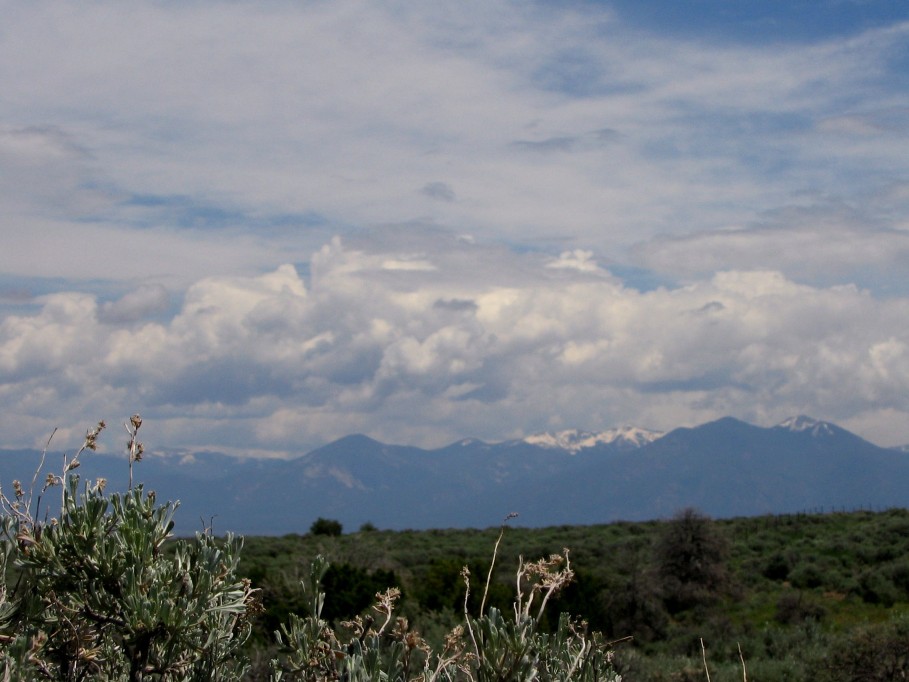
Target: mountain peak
(805, 423)
(575, 440)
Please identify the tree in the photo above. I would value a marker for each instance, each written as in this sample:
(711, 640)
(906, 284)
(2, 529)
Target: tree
(326, 527)
(353, 589)
(691, 561)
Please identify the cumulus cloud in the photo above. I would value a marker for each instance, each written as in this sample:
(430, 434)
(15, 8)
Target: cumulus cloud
(413, 355)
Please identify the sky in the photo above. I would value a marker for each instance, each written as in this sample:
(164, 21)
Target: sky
(265, 225)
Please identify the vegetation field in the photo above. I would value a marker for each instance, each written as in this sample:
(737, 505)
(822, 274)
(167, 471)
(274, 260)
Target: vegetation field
(103, 591)
(795, 597)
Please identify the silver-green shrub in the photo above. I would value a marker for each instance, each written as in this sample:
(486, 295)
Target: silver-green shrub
(93, 594)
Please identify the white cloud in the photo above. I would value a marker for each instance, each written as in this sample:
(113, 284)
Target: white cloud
(267, 363)
(579, 259)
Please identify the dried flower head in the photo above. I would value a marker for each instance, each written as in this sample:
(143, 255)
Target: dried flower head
(454, 640)
(91, 437)
(385, 601)
(17, 489)
(355, 626)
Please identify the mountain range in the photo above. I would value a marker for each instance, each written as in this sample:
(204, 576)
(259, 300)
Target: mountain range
(723, 468)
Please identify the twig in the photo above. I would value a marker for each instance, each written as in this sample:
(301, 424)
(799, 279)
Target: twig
(520, 609)
(742, 659)
(40, 466)
(495, 551)
(465, 573)
(134, 447)
(704, 656)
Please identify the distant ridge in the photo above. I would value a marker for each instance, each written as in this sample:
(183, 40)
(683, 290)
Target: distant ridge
(724, 468)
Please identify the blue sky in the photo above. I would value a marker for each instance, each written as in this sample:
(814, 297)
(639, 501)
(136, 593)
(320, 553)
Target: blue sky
(759, 23)
(265, 225)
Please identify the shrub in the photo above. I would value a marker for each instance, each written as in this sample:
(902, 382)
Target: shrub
(807, 575)
(777, 566)
(872, 653)
(97, 597)
(794, 607)
(875, 587)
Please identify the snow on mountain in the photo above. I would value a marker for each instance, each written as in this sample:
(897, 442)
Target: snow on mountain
(574, 440)
(803, 423)
(633, 435)
(471, 442)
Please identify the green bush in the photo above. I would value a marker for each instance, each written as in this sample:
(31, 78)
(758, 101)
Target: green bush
(796, 607)
(874, 587)
(807, 575)
(872, 653)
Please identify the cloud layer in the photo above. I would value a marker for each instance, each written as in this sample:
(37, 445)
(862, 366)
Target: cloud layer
(424, 346)
(268, 224)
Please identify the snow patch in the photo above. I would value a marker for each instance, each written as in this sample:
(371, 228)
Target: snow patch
(803, 423)
(574, 440)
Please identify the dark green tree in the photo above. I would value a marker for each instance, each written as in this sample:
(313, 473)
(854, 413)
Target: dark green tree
(353, 589)
(691, 561)
(326, 527)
